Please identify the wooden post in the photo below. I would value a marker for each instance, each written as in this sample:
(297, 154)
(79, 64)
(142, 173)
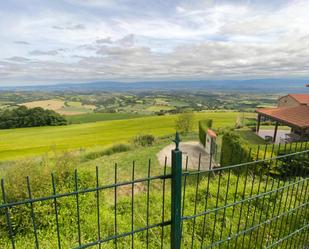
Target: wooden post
(275, 133)
(259, 123)
(302, 135)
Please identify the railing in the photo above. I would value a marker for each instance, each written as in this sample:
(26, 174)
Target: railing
(251, 205)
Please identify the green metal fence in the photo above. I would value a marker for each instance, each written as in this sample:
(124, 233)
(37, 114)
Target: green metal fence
(261, 204)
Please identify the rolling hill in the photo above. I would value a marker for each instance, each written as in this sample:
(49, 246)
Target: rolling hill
(27, 142)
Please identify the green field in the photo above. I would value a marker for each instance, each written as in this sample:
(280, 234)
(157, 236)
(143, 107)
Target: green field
(157, 108)
(95, 117)
(24, 142)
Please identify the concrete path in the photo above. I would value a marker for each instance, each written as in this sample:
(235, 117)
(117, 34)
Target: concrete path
(280, 134)
(192, 150)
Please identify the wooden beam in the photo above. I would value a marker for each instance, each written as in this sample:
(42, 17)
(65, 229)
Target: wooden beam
(302, 134)
(275, 133)
(259, 123)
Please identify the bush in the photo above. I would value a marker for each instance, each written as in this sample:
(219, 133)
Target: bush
(144, 140)
(184, 123)
(234, 149)
(204, 125)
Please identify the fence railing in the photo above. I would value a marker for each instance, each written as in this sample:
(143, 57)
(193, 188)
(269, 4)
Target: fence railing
(261, 204)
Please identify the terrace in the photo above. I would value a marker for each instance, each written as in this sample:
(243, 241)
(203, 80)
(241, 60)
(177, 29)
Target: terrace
(292, 111)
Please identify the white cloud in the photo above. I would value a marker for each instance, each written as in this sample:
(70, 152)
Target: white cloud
(39, 52)
(200, 40)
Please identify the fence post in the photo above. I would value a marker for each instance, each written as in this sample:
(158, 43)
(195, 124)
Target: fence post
(176, 195)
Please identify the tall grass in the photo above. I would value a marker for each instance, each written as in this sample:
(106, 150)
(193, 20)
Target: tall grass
(216, 189)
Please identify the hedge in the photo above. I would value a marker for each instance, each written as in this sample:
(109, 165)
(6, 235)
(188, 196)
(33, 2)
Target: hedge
(234, 149)
(204, 125)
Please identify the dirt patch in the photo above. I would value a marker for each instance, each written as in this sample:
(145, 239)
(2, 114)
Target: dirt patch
(52, 104)
(192, 151)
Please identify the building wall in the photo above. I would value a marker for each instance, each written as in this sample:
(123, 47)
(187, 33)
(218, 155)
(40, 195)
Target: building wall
(287, 101)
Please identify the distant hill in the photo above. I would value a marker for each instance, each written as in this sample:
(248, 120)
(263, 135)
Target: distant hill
(253, 85)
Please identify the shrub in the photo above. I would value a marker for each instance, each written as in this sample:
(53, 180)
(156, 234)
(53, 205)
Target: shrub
(144, 140)
(234, 150)
(184, 122)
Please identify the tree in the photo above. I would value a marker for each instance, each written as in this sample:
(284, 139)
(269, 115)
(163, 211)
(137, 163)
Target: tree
(24, 117)
(184, 122)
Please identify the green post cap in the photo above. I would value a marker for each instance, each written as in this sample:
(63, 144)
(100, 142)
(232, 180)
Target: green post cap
(177, 141)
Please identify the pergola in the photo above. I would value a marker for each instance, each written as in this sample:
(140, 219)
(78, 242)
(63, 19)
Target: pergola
(294, 117)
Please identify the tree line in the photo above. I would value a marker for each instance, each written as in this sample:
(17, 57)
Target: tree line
(29, 117)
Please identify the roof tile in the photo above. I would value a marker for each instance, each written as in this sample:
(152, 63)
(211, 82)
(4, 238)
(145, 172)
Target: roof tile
(301, 98)
(296, 116)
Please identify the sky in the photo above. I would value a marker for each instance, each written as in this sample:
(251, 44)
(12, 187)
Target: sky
(64, 41)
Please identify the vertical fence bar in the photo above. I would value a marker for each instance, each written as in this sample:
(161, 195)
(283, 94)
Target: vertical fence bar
(196, 200)
(176, 195)
(225, 204)
(217, 204)
(115, 207)
(77, 207)
(184, 192)
(148, 203)
(163, 204)
(207, 195)
(32, 214)
(7, 215)
(56, 210)
(132, 205)
(98, 205)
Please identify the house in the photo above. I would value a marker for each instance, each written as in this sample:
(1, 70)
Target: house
(292, 100)
(292, 110)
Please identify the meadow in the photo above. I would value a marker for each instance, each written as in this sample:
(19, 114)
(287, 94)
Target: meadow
(95, 117)
(25, 142)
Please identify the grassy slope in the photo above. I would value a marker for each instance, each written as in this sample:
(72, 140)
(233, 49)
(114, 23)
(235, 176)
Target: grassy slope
(257, 211)
(95, 117)
(251, 137)
(17, 143)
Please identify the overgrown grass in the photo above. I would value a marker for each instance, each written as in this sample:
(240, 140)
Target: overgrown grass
(223, 189)
(219, 225)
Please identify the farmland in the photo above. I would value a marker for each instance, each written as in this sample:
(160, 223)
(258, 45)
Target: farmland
(61, 106)
(24, 142)
(145, 103)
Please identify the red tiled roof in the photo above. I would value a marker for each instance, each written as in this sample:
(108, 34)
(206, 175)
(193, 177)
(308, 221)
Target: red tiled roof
(211, 133)
(294, 116)
(301, 98)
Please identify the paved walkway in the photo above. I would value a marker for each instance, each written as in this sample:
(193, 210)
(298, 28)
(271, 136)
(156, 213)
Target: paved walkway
(280, 134)
(192, 150)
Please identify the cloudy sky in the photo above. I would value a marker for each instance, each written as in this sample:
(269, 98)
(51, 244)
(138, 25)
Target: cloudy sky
(55, 41)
